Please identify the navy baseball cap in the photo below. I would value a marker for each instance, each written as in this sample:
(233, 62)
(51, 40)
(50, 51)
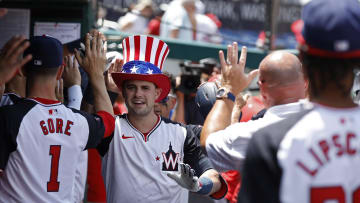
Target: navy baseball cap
(46, 51)
(206, 97)
(331, 29)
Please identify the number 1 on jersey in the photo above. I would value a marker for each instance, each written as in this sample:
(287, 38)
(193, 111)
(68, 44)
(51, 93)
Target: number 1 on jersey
(53, 184)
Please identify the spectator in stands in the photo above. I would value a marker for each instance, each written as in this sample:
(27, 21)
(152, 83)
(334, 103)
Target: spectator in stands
(154, 24)
(136, 20)
(179, 20)
(207, 28)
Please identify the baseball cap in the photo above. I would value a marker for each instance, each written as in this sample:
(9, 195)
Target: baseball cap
(205, 97)
(46, 51)
(331, 28)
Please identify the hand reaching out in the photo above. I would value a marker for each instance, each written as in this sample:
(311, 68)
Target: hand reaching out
(240, 102)
(114, 67)
(232, 70)
(71, 75)
(186, 178)
(94, 61)
(10, 56)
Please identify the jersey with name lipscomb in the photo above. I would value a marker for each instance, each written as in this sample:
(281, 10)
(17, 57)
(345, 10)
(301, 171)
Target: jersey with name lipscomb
(312, 157)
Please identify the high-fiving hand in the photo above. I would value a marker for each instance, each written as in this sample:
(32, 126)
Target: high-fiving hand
(71, 74)
(114, 67)
(186, 178)
(11, 57)
(232, 70)
(94, 61)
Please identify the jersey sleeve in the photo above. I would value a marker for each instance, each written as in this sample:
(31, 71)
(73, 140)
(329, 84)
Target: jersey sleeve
(7, 142)
(261, 176)
(262, 172)
(226, 148)
(100, 125)
(202, 164)
(10, 120)
(193, 154)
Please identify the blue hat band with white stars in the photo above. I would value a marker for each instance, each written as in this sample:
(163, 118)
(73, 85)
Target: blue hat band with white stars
(140, 67)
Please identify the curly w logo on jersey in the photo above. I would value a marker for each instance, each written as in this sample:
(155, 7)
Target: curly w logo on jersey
(170, 160)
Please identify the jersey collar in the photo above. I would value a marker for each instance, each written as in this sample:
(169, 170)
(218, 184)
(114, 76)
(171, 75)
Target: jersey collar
(45, 101)
(147, 134)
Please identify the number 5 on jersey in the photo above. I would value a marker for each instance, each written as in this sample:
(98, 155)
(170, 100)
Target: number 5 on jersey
(53, 184)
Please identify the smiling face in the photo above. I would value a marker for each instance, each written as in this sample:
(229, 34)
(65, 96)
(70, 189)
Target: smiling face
(140, 97)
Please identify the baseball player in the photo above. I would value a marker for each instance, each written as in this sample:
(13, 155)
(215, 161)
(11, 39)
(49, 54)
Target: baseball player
(281, 83)
(314, 156)
(150, 158)
(41, 139)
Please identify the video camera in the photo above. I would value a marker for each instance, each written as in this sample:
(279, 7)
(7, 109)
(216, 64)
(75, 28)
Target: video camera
(191, 73)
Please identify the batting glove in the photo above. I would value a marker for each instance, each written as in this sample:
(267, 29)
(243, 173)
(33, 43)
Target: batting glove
(186, 178)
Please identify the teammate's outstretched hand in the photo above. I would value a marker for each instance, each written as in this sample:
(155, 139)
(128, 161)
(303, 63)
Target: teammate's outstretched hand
(94, 61)
(10, 57)
(240, 102)
(232, 70)
(114, 67)
(186, 178)
(71, 74)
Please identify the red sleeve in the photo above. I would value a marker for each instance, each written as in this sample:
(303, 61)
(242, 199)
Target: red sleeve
(223, 190)
(109, 122)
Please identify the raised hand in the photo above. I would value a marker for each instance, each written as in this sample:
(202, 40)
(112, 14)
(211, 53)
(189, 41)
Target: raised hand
(232, 70)
(71, 74)
(240, 102)
(11, 57)
(114, 67)
(94, 61)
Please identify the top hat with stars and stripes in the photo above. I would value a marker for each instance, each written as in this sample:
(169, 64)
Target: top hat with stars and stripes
(144, 57)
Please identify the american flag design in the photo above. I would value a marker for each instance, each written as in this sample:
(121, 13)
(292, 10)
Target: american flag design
(144, 48)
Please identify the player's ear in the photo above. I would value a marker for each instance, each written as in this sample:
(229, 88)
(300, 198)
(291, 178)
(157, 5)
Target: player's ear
(172, 102)
(59, 72)
(157, 92)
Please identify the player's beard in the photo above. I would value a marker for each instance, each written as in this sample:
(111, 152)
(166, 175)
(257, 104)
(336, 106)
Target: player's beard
(143, 111)
(140, 112)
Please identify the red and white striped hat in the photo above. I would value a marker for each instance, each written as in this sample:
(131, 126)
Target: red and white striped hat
(144, 57)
